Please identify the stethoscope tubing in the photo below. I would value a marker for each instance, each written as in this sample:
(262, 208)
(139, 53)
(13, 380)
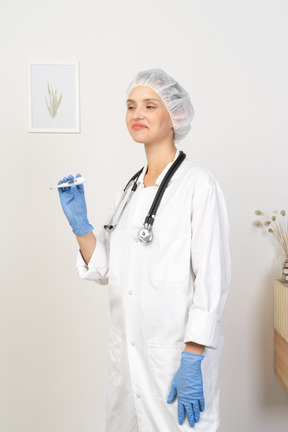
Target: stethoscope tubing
(134, 179)
(156, 202)
(145, 233)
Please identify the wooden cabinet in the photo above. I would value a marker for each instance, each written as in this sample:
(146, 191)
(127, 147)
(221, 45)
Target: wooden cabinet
(281, 331)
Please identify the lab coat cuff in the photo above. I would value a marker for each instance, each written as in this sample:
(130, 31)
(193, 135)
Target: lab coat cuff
(96, 269)
(203, 328)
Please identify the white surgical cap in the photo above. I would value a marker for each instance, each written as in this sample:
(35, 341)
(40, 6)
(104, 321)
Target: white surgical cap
(175, 98)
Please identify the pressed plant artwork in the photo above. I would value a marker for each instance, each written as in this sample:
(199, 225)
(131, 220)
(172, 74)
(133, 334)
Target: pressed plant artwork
(53, 96)
(54, 101)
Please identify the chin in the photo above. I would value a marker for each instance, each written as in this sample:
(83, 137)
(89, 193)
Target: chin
(138, 140)
(137, 137)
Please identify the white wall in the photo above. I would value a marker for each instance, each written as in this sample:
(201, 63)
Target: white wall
(231, 58)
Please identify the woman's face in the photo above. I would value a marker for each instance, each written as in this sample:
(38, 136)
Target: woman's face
(147, 118)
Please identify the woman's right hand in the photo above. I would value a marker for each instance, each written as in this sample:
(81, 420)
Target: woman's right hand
(74, 206)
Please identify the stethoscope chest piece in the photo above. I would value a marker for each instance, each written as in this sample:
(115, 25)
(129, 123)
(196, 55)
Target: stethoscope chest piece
(145, 234)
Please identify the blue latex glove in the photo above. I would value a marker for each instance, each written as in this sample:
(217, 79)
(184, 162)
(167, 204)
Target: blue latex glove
(74, 206)
(188, 385)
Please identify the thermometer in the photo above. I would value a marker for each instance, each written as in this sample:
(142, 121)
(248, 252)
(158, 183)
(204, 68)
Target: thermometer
(75, 182)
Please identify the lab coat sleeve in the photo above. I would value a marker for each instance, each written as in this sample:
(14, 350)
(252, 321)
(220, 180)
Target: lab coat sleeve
(97, 269)
(211, 264)
(98, 266)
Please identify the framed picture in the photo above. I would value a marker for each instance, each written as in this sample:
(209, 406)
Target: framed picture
(53, 96)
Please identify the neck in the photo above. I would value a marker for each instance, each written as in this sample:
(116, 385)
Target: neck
(158, 156)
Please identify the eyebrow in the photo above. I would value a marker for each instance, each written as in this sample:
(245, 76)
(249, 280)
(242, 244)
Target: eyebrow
(144, 100)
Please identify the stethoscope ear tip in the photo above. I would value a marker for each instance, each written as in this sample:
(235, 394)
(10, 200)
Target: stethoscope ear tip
(109, 227)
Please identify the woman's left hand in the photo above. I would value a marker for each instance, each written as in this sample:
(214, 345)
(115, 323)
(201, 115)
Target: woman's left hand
(187, 384)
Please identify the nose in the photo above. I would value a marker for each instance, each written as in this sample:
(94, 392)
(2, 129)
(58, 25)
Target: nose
(137, 113)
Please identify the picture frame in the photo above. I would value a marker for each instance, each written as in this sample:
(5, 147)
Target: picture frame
(53, 96)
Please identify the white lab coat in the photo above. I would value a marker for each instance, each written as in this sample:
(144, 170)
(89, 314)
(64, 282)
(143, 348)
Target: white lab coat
(164, 294)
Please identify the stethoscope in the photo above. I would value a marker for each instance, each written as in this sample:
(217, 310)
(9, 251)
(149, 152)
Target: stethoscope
(145, 233)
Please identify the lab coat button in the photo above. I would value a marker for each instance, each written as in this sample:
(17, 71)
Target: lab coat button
(133, 343)
(138, 395)
(130, 292)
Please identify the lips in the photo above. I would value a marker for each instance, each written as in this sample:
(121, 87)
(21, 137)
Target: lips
(138, 126)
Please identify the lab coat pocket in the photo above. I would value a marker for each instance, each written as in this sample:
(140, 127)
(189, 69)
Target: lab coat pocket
(171, 258)
(164, 360)
(115, 357)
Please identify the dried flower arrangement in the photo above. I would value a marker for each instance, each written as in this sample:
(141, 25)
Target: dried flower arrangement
(277, 225)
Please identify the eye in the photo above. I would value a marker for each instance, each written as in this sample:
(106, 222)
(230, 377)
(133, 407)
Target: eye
(130, 107)
(150, 106)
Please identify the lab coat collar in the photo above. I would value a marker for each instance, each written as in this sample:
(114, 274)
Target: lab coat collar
(162, 175)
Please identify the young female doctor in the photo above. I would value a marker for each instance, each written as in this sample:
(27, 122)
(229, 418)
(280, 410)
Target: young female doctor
(168, 270)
